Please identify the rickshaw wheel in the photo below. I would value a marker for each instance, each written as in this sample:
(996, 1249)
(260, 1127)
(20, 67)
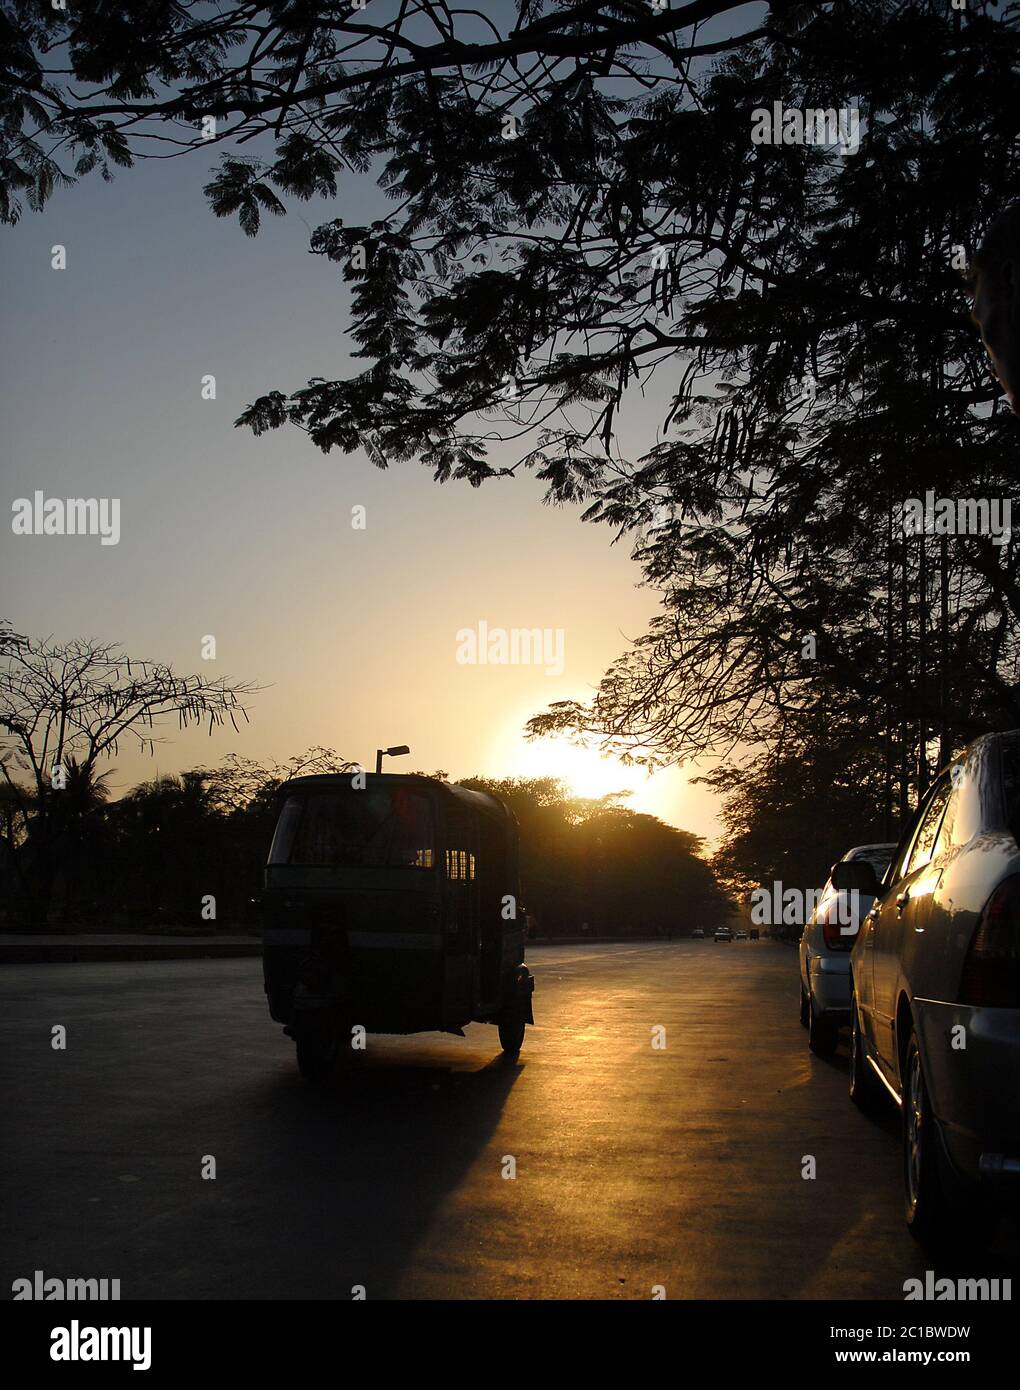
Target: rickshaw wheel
(512, 1024)
(318, 1045)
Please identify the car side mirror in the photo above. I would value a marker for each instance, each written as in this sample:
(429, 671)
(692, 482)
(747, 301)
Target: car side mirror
(856, 874)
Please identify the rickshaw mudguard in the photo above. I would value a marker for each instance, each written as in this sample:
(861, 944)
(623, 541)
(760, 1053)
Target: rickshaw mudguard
(524, 985)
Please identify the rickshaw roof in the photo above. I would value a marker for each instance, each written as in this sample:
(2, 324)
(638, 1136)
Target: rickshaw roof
(484, 802)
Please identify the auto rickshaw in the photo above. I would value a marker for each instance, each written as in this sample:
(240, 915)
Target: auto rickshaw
(391, 905)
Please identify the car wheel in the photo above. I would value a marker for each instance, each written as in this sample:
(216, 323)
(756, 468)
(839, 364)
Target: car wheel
(865, 1087)
(823, 1035)
(941, 1213)
(803, 1007)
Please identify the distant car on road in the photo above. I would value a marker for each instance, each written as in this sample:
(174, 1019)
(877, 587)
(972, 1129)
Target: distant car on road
(697, 934)
(935, 1003)
(825, 949)
(722, 934)
(741, 935)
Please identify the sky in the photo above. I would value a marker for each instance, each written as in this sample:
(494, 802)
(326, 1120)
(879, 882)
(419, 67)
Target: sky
(351, 633)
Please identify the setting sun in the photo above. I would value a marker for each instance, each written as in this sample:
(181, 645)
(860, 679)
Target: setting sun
(582, 770)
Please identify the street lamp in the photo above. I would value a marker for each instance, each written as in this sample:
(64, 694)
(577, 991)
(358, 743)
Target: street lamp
(381, 753)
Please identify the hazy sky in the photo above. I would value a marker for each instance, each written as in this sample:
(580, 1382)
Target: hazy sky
(352, 632)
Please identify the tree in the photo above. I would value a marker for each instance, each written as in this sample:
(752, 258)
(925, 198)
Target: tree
(241, 783)
(191, 849)
(597, 862)
(64, 707)
(790, 817)
(579, 206)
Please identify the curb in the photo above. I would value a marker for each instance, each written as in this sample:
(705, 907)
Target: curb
(40, 954)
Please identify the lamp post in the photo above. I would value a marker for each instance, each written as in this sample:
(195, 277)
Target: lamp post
(394, 752)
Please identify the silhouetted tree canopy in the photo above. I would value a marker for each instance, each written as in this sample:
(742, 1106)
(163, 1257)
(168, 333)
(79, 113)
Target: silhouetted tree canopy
(598, 865)
(577, 207)
(790, 817)
(188, 851)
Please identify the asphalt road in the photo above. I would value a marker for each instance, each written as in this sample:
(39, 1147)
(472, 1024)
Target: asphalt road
(635, 1167)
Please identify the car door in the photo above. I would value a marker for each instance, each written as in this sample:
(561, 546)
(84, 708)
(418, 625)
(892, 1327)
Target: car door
(901, 912)
(809, 941)
(863, 947)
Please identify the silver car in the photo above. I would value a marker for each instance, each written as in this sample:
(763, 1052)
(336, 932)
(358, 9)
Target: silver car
(825, 951)
(935, 1001)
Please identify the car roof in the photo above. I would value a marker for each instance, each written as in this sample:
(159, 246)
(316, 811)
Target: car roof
(871, 851)
(993, 737)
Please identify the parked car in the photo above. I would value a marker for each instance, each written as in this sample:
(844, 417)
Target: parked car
(722, 934)
(825, 945)
(935, 991)
(741, 935)
(697, 934)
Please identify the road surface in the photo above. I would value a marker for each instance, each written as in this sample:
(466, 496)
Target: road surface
(636, 1167)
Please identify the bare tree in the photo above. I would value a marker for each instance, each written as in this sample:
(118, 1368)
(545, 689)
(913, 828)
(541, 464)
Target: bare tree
(63, 707)
(241, 782)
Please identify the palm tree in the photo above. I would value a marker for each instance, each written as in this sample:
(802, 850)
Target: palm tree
(76, 812)
(85, 791)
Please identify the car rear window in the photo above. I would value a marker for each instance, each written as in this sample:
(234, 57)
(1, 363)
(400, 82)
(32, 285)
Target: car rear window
(879, 856)
(1011, 783)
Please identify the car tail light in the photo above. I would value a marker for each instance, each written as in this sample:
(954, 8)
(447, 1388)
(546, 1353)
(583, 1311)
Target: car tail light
(991, 971)
(841, 935)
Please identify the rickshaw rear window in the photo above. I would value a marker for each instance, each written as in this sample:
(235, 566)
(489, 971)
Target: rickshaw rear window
(373, 828)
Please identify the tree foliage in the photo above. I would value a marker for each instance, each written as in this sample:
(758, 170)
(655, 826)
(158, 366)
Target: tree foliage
(595, 866)
(577, 210)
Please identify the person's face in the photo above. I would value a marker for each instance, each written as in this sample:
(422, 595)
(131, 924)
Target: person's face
(996, 312)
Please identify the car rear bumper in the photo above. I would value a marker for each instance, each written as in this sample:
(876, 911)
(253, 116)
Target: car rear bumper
(830, 984)
(972, 1071)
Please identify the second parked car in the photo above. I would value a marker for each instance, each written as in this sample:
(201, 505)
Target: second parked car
(825, 947)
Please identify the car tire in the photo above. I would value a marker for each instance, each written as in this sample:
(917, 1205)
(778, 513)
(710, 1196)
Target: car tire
(943, 1213)
(823, 1034)
(865, 1087)
(803, 1007)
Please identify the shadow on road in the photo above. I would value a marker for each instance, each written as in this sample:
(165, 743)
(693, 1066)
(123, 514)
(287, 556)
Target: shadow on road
(990, 1250)
(367, 1161)
(886, 1117)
